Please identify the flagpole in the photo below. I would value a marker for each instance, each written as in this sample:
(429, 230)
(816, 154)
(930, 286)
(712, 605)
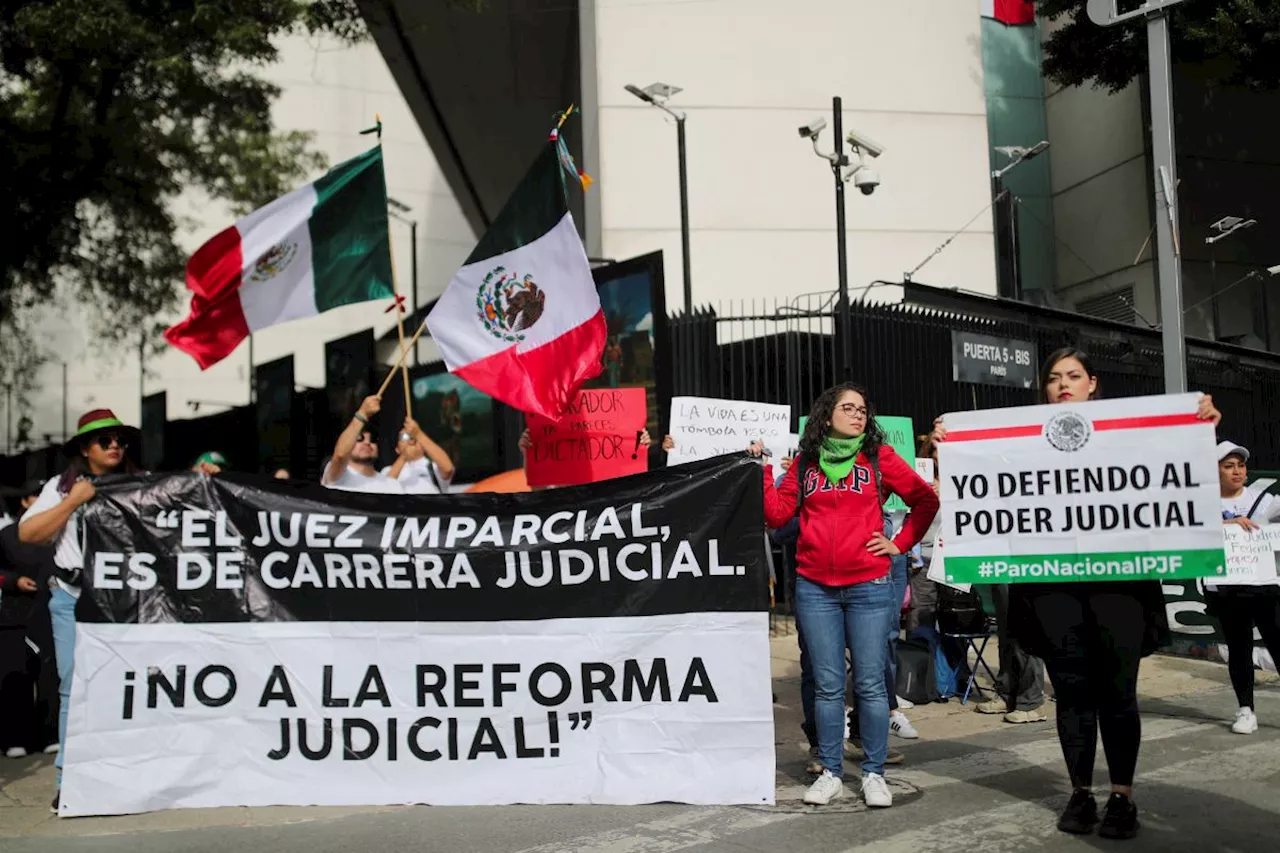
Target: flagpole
(403, 353)
(395, 289)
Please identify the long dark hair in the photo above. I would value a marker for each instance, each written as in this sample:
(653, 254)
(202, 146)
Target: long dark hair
(1058, 355)
(815, 430)
(79, 467)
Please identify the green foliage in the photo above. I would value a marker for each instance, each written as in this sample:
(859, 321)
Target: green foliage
(1241, 37)
(111, 109)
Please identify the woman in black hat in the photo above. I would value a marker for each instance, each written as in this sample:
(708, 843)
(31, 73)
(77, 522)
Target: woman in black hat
(100, 446)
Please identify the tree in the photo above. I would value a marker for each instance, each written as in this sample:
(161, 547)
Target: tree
(1242, 37)
(109, 110)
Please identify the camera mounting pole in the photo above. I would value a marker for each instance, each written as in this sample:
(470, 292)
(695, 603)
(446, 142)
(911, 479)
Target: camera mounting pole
(1106, 13)
(838, 162)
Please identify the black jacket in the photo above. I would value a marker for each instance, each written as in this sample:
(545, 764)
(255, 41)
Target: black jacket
(18, 559)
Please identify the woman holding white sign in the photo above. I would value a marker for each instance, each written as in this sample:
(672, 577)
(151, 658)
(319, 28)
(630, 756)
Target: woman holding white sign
(844, 595)
(1092, 636)
(1239, 607)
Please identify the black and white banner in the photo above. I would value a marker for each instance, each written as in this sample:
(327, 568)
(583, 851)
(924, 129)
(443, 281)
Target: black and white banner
(261, 643)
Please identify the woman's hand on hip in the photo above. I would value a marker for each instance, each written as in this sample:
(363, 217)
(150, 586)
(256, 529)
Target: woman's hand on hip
(882, 546)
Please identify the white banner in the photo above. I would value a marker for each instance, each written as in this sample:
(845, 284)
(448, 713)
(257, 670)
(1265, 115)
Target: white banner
(1107, 490)
(704, 427)
(671, 708)
(1251, 556)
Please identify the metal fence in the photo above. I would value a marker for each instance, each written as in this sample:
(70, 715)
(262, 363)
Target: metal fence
(788, 351)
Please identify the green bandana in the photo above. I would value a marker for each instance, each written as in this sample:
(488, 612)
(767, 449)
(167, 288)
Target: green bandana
(837, 456)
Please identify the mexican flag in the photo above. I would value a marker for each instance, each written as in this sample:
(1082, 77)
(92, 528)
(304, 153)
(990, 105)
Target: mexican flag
(318, 247)
(521, 320)
(1011, 12)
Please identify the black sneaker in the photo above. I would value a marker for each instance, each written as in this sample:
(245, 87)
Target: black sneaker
(1119, 818)
(1080, 815)
(53, 807)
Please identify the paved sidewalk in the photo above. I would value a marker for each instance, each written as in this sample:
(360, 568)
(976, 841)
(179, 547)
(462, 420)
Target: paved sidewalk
(963, 763)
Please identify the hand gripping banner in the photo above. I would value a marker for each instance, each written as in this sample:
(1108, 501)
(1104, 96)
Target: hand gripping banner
(250, 642)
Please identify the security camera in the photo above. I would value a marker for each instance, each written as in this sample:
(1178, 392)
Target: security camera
(866, 179)
(813, 128)
(865, 143)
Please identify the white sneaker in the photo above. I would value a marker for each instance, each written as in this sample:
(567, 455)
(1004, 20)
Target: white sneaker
(901, 726)
(52, 749)
(823, 791)
(875, 791)
(905, 704)
(1246, 722)
(19, 752)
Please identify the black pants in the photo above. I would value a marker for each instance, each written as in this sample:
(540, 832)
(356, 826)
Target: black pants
(1021, 679)
(18, 673)
(1095, 638)
(1238, 610)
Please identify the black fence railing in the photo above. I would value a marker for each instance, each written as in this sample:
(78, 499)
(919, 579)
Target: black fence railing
(788, 351)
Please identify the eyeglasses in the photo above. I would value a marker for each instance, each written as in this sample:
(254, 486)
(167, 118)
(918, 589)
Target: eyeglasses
(106, 439)
(852, 410)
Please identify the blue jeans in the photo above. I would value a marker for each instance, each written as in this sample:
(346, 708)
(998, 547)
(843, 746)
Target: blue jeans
(854, 617)
(900, 576)
(62, 610)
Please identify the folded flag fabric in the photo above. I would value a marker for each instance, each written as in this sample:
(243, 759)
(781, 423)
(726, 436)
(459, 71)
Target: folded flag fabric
(1011, 12)
(521, 320)
(319, 247)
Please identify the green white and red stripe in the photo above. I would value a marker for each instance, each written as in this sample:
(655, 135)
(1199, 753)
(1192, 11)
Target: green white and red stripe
(319, 247)
(521, 320)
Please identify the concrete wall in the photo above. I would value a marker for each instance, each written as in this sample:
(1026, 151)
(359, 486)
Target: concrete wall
(762, 205)
(334, 91)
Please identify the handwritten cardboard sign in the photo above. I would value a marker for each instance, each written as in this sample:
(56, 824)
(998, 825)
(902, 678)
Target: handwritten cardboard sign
(705, 427)
(597, 440)
(1251, 555)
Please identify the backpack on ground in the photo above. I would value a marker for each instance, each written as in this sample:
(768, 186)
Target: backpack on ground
(917, 680)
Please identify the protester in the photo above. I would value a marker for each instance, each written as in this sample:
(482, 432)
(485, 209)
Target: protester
(422, 466)
(1238, 608)
(100, 446)
(353, 466)
(844, 594)
(210, 462)
(27, 701)
(1092, 636)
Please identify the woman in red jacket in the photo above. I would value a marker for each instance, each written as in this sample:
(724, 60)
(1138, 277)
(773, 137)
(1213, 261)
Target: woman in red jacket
(844, 597)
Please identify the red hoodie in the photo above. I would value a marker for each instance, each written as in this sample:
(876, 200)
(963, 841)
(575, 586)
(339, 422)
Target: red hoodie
(837, 521)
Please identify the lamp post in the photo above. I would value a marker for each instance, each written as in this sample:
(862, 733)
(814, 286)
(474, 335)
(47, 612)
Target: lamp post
(396, 210)
(657, 94)
(1009, 271)
(1106, 13)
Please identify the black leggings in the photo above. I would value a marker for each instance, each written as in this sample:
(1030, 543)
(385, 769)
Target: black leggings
(1238, 610)
(1095, 641)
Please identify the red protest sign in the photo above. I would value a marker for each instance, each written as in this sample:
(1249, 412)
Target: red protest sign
(598, 439)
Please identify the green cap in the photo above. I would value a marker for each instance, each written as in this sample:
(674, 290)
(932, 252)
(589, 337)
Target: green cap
(213, 457)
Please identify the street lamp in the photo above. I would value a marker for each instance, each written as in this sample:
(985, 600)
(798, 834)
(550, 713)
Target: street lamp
(657, 94)
(1107, 13)
(396, 210)
(1009, 273)
(866, 179)
(1222, 229)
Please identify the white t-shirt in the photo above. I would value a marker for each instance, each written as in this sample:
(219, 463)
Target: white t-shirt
(415, 478)
(352, 480)
(1268, 512)
(68, 551)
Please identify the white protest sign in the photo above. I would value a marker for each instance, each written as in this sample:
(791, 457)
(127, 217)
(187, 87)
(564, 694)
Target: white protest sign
(938, 568)
(1104, 490)
(1251, 555)
(704, 427)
